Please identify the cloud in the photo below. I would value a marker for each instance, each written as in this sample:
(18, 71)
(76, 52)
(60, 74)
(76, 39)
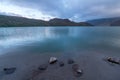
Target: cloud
(77, 10)
(24, 11)
(92, 9)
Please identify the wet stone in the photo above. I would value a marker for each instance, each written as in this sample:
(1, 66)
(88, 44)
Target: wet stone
(76, 70)
(9, 70)
(112, 60)
(53, 60)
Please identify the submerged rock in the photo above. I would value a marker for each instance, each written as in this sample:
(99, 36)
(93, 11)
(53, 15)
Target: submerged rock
(53, 60)
(70, 61)
(112, 60)
(76, 70)
(9, 70)
(61, 64)
(43, 67)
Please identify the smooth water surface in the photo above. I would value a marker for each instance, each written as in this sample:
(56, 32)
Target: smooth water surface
(57, 39)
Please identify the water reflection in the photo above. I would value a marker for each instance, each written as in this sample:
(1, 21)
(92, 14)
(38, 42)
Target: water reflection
(66, 37)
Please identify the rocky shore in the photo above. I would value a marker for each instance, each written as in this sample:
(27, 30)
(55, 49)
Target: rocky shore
(82, 66)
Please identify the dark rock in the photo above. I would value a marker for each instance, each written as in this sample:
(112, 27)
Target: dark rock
(112, 60)
(76, 70)
(61, 64)
(79, 71)
(43, 67)
(71, 61)
(53, 60)
(9, 70)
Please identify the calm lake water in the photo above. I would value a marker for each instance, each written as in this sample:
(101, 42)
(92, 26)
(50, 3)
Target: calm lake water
(57, 39)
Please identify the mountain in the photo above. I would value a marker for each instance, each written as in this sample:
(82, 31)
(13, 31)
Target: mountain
(14, 21)
(8, 21)
(66, 22)
(11, 21)
(116, 23)
(105, 22)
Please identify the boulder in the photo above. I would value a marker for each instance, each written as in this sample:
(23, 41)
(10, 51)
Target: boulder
(9, 70)
(43, 67)
(53, 60)
(76, 70)
(61, 64)
(70, 61)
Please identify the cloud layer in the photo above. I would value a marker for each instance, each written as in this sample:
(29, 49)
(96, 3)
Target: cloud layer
(77, 10)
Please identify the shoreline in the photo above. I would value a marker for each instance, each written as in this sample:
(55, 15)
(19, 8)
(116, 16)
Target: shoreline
(92, 63)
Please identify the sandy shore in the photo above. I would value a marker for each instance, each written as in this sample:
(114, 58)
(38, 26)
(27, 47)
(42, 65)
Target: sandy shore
(92, 63)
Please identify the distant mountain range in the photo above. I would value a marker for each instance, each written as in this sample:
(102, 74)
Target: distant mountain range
(105, 22)
(13, 21)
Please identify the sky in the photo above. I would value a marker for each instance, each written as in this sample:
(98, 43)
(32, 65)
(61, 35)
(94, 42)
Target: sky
(76, 10)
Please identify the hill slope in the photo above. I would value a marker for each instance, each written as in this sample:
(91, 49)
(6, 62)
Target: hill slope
(11, 21)
(105, 22)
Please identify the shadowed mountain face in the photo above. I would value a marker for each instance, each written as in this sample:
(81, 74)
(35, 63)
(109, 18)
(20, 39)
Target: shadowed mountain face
(105, 22)
(116, 23)
(66, 22)
(11, 21)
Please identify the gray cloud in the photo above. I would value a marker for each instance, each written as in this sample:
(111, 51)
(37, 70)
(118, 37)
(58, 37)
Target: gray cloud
(74, 9)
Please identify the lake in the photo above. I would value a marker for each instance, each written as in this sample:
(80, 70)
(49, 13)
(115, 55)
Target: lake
(57, 39)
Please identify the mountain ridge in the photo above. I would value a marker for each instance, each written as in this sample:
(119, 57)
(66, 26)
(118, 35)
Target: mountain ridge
(115, 21)
(14, 21)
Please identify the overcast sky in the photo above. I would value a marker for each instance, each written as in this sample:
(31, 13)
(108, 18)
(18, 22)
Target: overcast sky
(77, 10)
